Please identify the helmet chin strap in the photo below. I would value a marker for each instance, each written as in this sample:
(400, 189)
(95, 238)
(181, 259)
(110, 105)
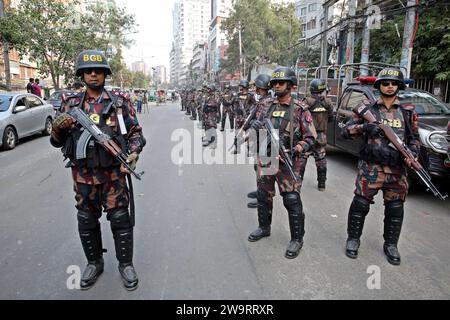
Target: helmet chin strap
(94, 86)
(389, 95)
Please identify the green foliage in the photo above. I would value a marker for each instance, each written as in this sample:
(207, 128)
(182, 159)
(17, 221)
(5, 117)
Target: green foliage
(268, 31)
(53, 33)
(431, 50)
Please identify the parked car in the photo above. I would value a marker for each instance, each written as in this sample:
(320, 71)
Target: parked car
(56, 99)
(22, 115)
(433, 114)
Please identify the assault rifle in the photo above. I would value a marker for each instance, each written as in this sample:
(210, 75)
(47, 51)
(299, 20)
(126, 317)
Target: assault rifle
(92, 131)
(275, 143)
(241, 130)
(401, 147)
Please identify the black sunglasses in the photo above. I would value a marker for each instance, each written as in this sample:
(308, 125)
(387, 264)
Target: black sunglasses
(389, 83)
(96, 70)
(280, 82)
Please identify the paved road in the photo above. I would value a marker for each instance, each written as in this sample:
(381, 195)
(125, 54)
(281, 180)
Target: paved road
(192, 228)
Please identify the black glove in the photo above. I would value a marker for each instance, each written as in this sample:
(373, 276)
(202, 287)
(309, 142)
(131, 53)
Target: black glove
(372, 129)
(257, 125)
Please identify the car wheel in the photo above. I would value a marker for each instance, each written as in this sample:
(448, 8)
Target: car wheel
(48, 127)
(9, 139)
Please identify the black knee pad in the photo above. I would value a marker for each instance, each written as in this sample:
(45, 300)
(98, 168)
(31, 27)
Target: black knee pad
(360, 204)
(263, 197)
(394, 208)
(87, 221)
(120, 219)
(291, 200)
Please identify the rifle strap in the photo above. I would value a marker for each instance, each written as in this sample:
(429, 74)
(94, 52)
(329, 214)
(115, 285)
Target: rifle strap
(131, 196)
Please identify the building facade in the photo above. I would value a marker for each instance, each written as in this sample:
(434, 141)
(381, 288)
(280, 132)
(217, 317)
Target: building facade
(311, 15)
(190, 26)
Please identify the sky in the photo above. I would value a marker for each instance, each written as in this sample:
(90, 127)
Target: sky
(153, 41)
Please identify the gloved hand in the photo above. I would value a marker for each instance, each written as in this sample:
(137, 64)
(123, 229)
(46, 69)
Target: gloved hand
(131, 160)
(297, 150)
(257, 125)
(372, 129)
(63, 124)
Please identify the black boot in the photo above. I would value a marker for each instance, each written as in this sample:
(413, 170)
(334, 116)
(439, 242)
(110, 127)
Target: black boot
(253, 204)
(294, 206)
(321, 178)
(264, 217)
(355, 224)
(123, 240)
(253, 195)
(222, 128)
(393, 220)
(91, 240)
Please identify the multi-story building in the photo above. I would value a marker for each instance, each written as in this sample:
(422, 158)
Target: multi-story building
(160, 75)
(217, 42)
(139, 66)
(199, 63)
(311, 14)
(190, 26)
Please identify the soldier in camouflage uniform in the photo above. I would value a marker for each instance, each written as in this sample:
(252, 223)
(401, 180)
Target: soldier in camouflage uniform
(227, 107)
(212, 104)
(265, 100)
(194, 105)
(183, 96)
(381, 167)
(199, 103)
(99, 180)
(297, 135)
(321, 109)
(242, 103)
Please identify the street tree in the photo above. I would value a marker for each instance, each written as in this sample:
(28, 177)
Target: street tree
(53, 33)
(268, 33)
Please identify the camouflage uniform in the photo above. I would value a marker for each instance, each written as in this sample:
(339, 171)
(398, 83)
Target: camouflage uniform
(98, 182)
(227, 108)
(304, 134)
(212, 104)
(381, 167)
(321, 110)
(242, 104)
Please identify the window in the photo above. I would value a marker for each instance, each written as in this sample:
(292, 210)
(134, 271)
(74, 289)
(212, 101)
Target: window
(34, 102)
(303, 27)
(312, 7)
(303, 11)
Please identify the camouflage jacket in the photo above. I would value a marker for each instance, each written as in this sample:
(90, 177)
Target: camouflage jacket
(302, 127)
(401, 118)
(94, 108)
(321, 110)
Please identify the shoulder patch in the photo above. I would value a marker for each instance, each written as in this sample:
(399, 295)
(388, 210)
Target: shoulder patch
(71, 99)
(301, 104)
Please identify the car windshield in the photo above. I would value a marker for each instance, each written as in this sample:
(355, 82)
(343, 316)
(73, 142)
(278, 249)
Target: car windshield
(55, 96)
(424, 102)
(4, 103)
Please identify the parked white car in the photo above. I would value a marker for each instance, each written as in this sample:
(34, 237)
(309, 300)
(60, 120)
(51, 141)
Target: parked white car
(22, 115)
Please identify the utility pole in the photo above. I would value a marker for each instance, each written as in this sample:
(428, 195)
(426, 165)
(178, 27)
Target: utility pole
(240, 50)
(5, 52)
(323, 40)
(366, 43)
(350, 50)
(408, 35)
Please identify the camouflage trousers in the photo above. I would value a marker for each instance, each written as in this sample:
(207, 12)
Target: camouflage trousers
(318, 151)
(106, 196)
(240, 120)
(372, 177)
(284, 180)
(227, 111)
(210, 120)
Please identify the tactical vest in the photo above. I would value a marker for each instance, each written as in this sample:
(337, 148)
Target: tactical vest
(319, 113)
(379, 150)
(282, 119)
(96, 155)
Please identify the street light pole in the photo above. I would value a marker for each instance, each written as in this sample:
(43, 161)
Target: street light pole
(5, 52)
